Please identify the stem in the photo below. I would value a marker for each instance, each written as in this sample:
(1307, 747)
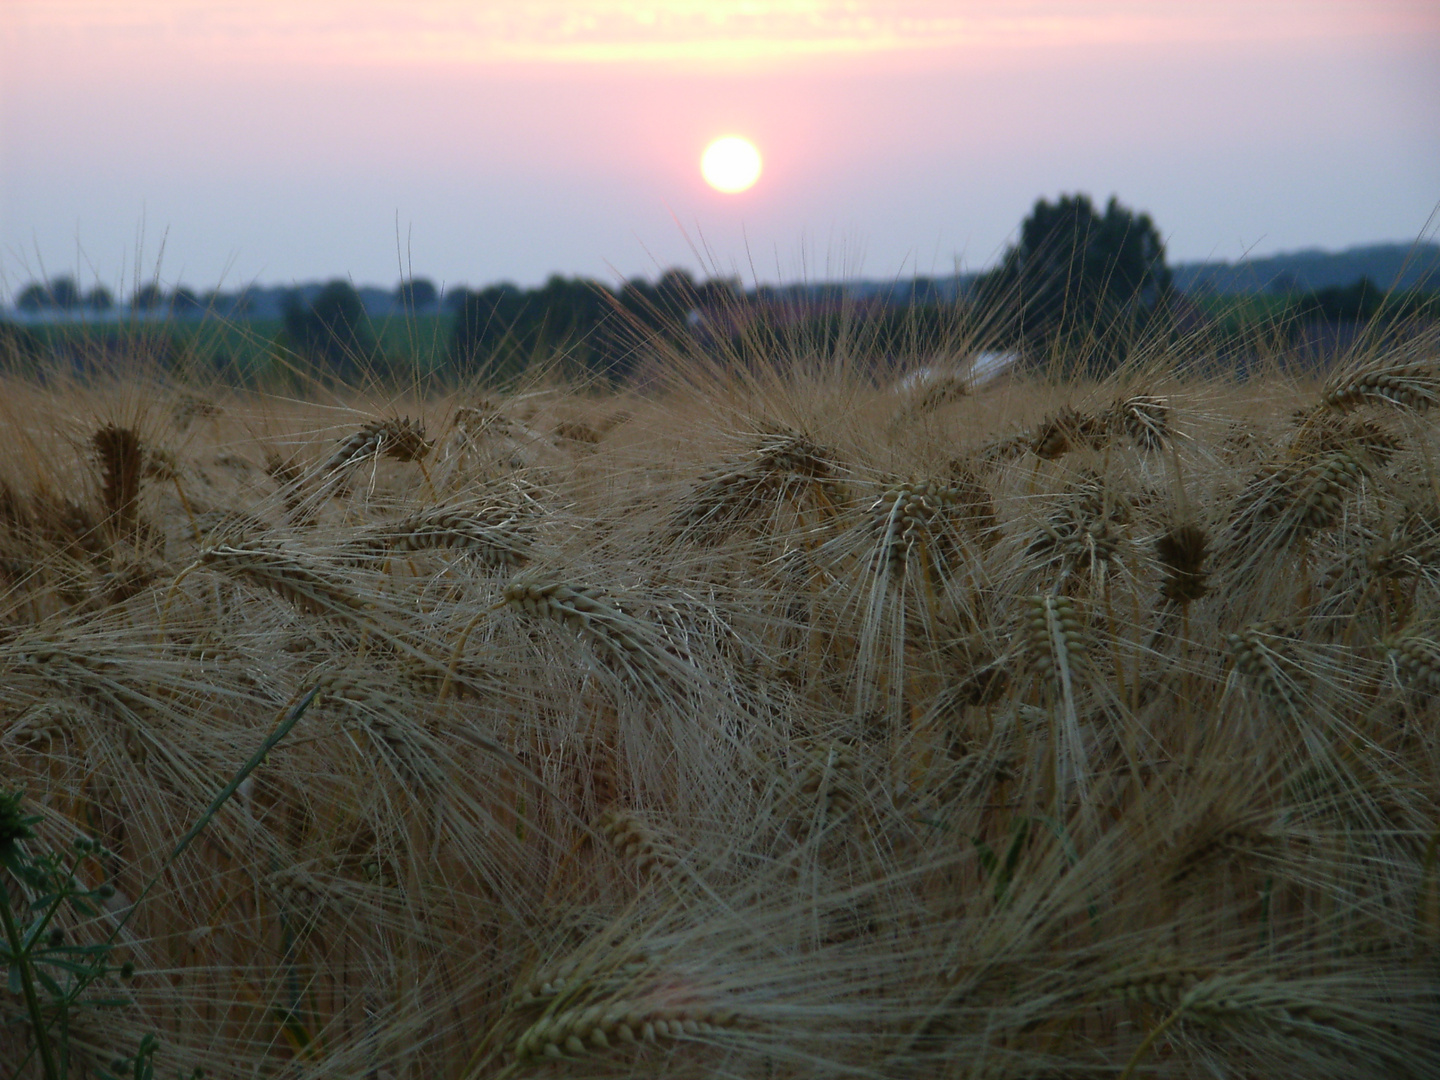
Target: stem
(460, 648)
(21, 959)
(1149, 1041)
(282, 728)
(189, 512)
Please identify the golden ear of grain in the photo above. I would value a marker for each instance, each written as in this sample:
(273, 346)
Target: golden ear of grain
(1145, 418)
(404, 439)
(1215, 837)
(1320, 433)
(398, 438)
(1068, 430)
(781, 465)
(1416, 660)
(626, 639)
(1284, 503)
(1161, 981)
(636, 842)
(1056, 637)
(1182, 551)
(575, 1033)
(1262, 652)
(909, 515)
(577, 431)
(1403, 384)
(308, 587)
(496, 537)
(121, 459)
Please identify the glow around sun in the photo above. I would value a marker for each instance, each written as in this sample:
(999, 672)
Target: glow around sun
(730, 164)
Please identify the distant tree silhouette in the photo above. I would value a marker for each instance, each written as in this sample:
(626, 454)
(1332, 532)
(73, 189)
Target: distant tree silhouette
(64, 293)
(234, 305)
(330, 331)
(61, 293)
(417, 294)
(1359, 302)
(185, 302)
(99, 299)
(33, 298)
(148, 297)
(1080, 280)
(502, 329)
(1283, 283)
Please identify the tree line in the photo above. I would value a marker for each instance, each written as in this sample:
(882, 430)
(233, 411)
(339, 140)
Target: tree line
(1080, 283)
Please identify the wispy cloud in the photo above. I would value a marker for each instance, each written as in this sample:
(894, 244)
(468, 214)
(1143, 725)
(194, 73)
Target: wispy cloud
(681, 32)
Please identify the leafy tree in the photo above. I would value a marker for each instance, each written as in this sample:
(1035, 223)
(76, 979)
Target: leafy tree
(417, 294)
(503, 328)
(64, 293)
(184, 301)
(1359, 302)
(232, 305)
(1078, 279)
(99, 299)
(148, 297)
(33, 298)
(331, 330)
(60, 293)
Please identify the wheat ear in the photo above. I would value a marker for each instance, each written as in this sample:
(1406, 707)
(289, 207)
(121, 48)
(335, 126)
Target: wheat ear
(1260, 653)
(1182, 552)
(583, 609)
(403, 440)
(1405, 384)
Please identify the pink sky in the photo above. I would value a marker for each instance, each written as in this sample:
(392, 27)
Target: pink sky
(285, 141)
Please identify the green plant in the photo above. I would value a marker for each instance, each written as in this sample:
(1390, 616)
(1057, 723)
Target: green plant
(57, 976)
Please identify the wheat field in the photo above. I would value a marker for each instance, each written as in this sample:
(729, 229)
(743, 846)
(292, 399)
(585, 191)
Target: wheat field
(767, 724)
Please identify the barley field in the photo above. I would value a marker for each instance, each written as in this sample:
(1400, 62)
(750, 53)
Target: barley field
(762, 724)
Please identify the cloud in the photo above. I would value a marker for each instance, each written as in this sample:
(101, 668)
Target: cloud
(684, 32)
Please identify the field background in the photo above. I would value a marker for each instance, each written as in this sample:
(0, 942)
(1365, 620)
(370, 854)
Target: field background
(769, 722)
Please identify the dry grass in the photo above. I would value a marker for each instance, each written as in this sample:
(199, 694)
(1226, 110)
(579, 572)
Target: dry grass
(746, 727)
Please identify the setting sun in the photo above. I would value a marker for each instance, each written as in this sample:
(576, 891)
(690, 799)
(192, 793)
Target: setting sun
(731, 164)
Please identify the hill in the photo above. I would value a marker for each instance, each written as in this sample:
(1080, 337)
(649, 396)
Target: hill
(1403, 266)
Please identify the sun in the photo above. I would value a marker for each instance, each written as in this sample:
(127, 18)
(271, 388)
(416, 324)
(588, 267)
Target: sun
(730, 164)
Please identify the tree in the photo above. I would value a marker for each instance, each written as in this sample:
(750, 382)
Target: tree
(1358, 302)
(417, 294)
(185, 302)
(503, 328)
(61, 293)
(1079, 280)
(99, 299)
(148, 297)
(64, 293)
(330, 331)
(33, 298)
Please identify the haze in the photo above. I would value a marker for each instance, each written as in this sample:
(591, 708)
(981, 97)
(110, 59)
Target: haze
(475, 142)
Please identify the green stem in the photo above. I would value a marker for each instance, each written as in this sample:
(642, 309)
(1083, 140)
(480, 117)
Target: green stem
(282, 728)
(21, 960)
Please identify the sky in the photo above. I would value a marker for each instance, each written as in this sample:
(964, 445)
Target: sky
(472, 141)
